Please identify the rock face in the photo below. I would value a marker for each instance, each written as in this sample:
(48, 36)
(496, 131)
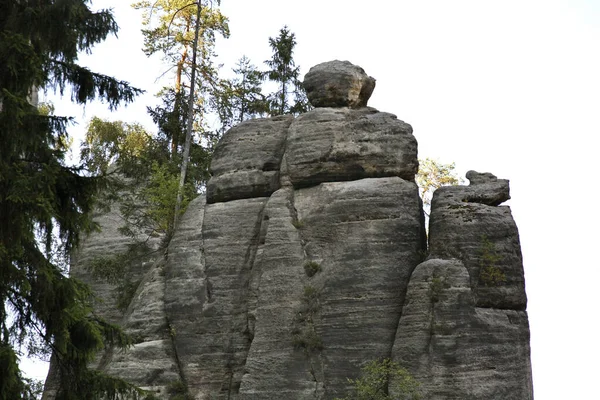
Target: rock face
(308, 258)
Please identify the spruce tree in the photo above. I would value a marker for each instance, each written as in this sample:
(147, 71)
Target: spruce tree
(44, 203)
(290, 97)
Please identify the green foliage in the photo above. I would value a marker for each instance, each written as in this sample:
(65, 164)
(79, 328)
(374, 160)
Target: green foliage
(310, 300)
(159, 195)
(432, 175)
(311, 268)
(171, 26)
(116, 270)
(384, 380)
(144, 176)
(436, 286)
(178, 390)
(45, 205)
(306, 338)
(489, 272)
(240, 98)
(290, 97)
(107, 143)
(297, 223)
(176, 387)
(304, 334)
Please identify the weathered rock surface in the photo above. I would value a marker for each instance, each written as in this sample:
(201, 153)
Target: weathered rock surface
(304, 261)
(340, 144)
(246, 162)
(364, 256)
(338, 84)
(466, 223)
(455, 349)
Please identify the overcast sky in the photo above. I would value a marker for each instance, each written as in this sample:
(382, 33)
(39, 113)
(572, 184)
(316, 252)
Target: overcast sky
(508, 87)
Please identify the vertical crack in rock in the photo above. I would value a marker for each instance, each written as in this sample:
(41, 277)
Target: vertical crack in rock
(186, 291)
(367, 234)
(231, 233)
(236, 361)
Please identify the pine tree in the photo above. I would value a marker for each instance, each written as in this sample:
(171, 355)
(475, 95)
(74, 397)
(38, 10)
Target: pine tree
(44, 204)
(182, 27)
(290, 97)
(170, 32)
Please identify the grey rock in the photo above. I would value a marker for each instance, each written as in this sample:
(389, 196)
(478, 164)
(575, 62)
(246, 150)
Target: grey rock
(476, 178)
(455, 349)
(304, 262)
(108, 242)
(333, 144)
(246, 161)
(338, 84)
(185, 288)
(213, 349)
(365, 256)
(274, 369)
(150, 363)
(466, 224)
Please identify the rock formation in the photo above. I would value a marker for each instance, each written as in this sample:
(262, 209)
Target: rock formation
(308, 258)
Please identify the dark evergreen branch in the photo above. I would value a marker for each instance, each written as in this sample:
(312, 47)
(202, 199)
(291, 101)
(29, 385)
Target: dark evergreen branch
(88, 85)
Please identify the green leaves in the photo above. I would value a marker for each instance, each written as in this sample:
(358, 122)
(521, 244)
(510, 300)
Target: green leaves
(384, 380)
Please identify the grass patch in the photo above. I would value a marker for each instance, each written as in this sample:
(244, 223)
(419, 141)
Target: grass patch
(311, 268)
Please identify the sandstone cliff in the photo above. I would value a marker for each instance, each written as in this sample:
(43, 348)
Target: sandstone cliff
(308, 257)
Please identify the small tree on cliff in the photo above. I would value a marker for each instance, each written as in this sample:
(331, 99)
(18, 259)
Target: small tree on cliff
(45, 205)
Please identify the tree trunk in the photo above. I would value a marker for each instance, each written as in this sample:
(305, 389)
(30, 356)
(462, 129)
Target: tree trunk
(190, 121)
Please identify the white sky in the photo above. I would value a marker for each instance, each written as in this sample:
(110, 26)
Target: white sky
(508, 87)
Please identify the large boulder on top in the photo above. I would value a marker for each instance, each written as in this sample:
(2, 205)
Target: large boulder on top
(338, 84)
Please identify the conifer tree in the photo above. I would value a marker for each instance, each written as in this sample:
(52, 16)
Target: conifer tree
(290, 97)
(44, 204)
(247, 98)
(240, 98)
(184, 33)
(170, 30)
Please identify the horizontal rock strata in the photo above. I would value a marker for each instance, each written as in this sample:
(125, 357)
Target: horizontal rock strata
(455, 349)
